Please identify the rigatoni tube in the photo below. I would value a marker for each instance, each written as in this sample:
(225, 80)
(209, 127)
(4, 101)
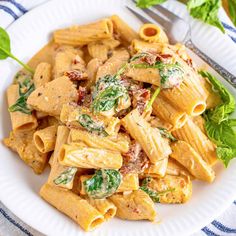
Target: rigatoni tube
(156, 147)
(85, 157)
(72, 205)
(84, 34)
(45, 139)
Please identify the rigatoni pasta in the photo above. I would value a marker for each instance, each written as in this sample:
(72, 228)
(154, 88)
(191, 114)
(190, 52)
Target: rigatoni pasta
(119, 142)
(189, 158)
(156, 147)
(193, 135)
(169, 113)
(104, 206)
(135, 200)
(45, 139)
(42, 74)
(82, 35)
(153, 34)
(119, 113)
(85, 157)
(123, 30)
(78, 209)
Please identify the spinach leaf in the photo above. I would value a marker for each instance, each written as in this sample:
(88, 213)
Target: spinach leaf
(103, 83)
(222, 111)
(108, 90)
(66, 176)
(232, 10)
(166, 134)
(107, 99)
(90, 125)
(154, 195)
(5, 49)
(219, 127)
(25, 89)
(148, 3)
(207, 11)
(103, 184)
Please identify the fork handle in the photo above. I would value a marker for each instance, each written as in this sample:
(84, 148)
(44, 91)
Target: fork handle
(223, 72)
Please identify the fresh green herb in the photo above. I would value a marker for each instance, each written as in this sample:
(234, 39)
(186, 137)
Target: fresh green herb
(108, 99)
(204, 10)
(171, 74)
(222, 111)
(66, 176)
(5, 49)
(155, 94)
(207, 11)
(219, 127)
(232, 10)
(166, 134)
(225, 154)
(154, 195)
(221, 134)
(103, 83)
(90, 125)
(148, 3)
(25, 89)
(108, 90)
(103, 183)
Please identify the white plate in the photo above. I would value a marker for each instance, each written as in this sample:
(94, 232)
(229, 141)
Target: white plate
(19, 186)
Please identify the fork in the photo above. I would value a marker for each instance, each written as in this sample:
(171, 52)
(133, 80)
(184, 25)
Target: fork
(178, 30)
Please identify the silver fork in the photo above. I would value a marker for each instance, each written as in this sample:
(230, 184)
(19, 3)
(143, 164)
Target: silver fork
(178, 30)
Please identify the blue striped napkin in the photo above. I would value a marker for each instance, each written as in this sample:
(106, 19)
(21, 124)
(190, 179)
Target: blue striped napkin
(10, 225)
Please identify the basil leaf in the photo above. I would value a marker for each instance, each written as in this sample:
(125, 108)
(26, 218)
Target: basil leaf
(231, 122)
(219, 127)
(154, 195)
(225, 154)
(86, 122)
(25, 89)
(103, 184)
(5, 49)
(66, 176)
(166, 134)
(207, 11)
(221, 134)
(222, 111)
(148, 3)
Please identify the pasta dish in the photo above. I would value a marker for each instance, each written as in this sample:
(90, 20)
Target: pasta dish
(122, 118)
